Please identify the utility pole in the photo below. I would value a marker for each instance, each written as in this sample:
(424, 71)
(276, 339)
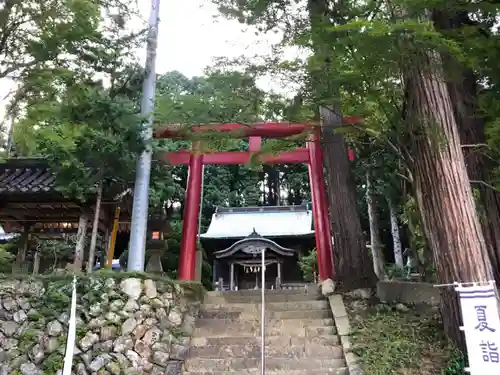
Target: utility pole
(139, 224)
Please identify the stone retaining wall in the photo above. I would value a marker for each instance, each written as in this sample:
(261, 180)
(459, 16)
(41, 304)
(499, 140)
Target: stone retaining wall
(125, 325)
(408, 292)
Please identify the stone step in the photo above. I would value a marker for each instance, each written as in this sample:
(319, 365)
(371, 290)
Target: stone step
(311, 290)
(269, 306)
(281, 341)
(253, 350)
(257, 371)
(277, 315)
(236, 297)
(228, 328)
(272, 364)
(255, 322)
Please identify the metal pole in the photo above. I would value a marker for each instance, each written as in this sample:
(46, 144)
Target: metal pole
(263, 315)
(139, 223)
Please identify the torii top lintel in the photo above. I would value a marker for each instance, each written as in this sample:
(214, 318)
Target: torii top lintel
(263, 129)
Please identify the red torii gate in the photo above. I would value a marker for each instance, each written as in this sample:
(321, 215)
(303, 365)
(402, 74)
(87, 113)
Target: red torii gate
(311, 155)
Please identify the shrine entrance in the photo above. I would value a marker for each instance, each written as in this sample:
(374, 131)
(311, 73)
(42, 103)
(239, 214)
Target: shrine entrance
(241, 262)
(311, 155)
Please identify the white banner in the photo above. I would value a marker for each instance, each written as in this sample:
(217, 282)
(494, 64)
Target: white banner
(481, 326)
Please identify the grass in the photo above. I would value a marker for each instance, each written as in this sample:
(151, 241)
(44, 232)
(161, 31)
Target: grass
(403, 343)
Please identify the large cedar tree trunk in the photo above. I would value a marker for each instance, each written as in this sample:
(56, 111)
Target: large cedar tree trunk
(353, 266)
(462, 86)
(443, 191)
(352, 263)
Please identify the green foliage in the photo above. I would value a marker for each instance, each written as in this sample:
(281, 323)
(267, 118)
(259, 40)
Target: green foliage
(28, 339)
(53, 363)
(47, 44)
(6, 257)
(57, 250)
(393, 272)
(86, 136)
(390, 343)
(77, 91)
(308, 264)
(455, 364)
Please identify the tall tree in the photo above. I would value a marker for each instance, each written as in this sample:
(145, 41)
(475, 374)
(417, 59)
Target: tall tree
(463, 88)
(352, 265)
(41, 40)
(442, 186)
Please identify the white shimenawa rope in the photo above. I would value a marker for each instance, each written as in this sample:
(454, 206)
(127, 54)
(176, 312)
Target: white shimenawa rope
(70, 340)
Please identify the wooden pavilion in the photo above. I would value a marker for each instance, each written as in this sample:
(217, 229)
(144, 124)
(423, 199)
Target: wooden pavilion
(30, 204)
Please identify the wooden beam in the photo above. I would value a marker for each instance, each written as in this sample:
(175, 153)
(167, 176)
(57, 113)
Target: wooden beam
(299, 155)
(263, 129)
(42, 212)
(56, 219)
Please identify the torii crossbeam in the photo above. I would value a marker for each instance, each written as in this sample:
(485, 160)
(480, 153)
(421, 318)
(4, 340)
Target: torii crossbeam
(311, 155)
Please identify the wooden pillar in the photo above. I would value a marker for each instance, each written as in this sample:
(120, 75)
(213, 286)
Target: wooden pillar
(320, 208)
(187, 260)
(36, 261)
(231, 276)
(112, 239)
(198, 264)
(214, 272)
(81, 237)
(278, 264)
(23, 249)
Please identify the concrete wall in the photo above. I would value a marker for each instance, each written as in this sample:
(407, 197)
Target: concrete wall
(408, 292)
(126, 324)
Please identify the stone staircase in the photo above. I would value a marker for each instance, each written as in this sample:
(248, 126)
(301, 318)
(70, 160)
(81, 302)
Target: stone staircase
(301, 337)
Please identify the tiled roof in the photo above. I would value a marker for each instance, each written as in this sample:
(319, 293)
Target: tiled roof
(26, 176)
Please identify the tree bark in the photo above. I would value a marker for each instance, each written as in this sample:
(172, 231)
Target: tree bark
(444, 194)
(462, 86)
(375, 241)
(80, 241)
(353, 266)
(396, 239)
(95, 226)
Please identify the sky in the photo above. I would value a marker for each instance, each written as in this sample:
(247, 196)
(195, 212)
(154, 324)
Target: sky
(192, 33)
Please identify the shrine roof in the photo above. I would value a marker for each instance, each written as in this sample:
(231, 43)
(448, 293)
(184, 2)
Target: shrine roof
(28, 193)
(22, 176)
(268, 221)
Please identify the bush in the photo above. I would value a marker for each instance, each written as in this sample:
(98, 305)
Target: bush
(6, 258)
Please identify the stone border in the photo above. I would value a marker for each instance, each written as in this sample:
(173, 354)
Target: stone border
(408, 292)
(343, 325)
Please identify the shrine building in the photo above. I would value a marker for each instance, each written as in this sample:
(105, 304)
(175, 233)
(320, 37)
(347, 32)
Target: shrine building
(236, 236)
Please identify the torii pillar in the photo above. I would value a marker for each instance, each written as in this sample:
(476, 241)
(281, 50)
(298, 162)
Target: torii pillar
(187, 259)
(321, 217)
